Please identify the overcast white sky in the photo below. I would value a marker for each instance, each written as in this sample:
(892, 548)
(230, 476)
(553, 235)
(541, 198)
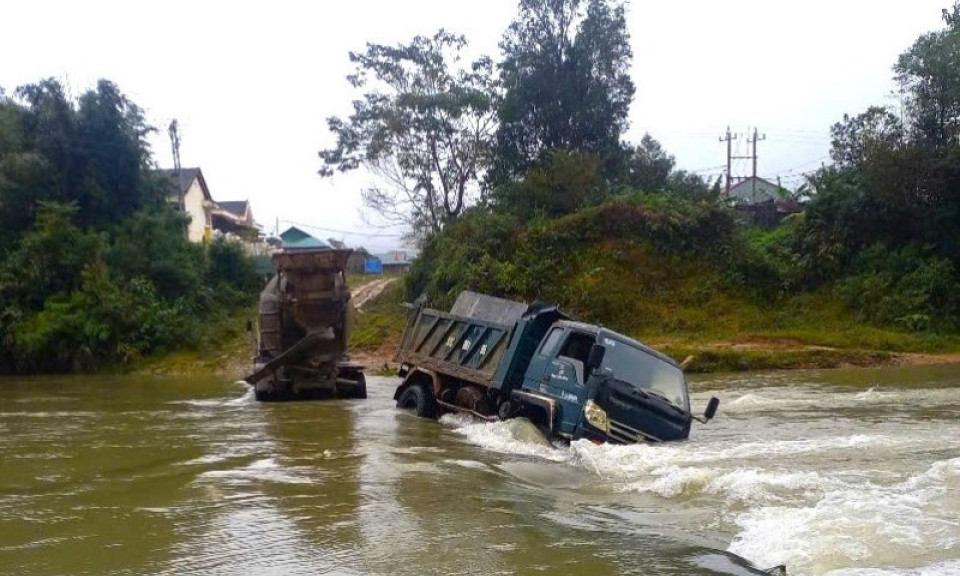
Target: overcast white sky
(251, 83)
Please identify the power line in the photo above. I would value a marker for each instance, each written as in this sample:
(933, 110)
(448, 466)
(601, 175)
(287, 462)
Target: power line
(708, 169)
(345, 232)
(810, 163)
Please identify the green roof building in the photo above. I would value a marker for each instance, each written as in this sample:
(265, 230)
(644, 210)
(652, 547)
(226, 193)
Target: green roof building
(296, 239)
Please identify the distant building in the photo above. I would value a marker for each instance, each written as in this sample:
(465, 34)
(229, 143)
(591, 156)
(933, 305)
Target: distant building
(236, 217)
(396, 261)
(363, 262)
(189, 192)
(755, 191)
(296, 239)
(762, 203)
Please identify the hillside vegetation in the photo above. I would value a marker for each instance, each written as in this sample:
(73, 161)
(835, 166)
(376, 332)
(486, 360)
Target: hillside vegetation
(568, 211)
(95, 268)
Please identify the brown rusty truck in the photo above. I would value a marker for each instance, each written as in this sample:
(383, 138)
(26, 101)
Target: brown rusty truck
(497, 359)
(304, 329)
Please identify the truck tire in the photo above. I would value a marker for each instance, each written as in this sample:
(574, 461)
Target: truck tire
(361, 387)
(506, 410)
(420, 399)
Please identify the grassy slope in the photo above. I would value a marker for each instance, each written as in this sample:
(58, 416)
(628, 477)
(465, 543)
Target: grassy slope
(684, 309)
(678, 313)
(376, 329)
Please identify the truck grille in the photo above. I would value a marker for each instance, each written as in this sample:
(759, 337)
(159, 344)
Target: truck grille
(623, 434)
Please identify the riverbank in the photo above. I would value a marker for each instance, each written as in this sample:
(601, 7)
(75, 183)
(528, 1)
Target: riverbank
(377, 332)
(380, 320)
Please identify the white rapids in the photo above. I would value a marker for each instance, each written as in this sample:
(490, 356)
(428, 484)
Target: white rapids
(851, 479)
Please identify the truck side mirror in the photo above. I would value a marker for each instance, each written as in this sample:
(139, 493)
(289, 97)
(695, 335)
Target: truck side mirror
(596, 356)
(711, 410)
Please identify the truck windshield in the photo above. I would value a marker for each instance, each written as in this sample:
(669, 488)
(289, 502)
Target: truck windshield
(645, 371)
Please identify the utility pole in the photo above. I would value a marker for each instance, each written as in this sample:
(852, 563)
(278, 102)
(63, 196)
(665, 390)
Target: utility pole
(753, 157)
(729, 138)
(756, 138)
(174, 131)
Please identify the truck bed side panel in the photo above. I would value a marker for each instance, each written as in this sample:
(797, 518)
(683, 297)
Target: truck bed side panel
(468, 349)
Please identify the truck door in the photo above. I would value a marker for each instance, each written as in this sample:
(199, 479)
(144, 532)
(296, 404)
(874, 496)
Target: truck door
(558, 371)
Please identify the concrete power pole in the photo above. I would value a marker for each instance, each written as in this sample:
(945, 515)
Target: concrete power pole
(753, 157)
(729, 138)
(174, 131)
(754, 141)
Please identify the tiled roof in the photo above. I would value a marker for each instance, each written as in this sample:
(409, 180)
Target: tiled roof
(187, 176)
(236, 207)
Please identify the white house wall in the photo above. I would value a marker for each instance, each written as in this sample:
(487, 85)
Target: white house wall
(199, 215)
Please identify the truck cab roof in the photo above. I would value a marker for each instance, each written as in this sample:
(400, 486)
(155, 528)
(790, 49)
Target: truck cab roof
(606, 333)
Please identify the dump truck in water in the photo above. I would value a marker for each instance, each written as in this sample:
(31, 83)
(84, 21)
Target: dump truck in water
(303, 330)
(498, 359)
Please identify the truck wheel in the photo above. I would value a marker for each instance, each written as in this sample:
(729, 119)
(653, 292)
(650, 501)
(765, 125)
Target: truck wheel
(506, 410)
(417, 397)
(361, 387)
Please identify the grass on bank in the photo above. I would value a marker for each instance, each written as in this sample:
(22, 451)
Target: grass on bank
(225, 347)
(809, 331)
(723, 335)
(379, 325)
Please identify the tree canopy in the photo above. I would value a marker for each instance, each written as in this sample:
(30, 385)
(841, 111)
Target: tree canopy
(566, 83)
(95, 268)
(424, 125)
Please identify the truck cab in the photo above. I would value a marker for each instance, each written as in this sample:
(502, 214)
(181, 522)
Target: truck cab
(627, 392)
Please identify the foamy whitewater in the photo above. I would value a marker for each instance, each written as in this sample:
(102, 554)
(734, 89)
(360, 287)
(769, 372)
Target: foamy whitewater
(839, 481)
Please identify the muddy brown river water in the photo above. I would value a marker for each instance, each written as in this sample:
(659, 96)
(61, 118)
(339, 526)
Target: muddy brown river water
(851, 472)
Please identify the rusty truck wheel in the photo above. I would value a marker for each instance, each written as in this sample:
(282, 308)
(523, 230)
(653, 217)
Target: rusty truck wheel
(418, 398)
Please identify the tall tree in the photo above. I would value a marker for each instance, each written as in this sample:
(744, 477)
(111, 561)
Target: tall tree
(114, 132)
(855, 138)
(565, 75)
(929, 77)
(424, 125)
(648, 165)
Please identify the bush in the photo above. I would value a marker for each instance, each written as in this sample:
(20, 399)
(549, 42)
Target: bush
(231, 271)
(907, 288)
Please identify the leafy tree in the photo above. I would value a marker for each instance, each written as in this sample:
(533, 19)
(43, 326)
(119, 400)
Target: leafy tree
(150, 244)
(565, 76)
(929, 78)
(94, 266)
(230, 270)
(113, 132)
(424, 125)
(855, 138)
(562, 183)
(648, 166)
(94, 154)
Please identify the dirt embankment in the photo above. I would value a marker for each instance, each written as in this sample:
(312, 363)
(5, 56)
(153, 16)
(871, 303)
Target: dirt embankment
(368, 292)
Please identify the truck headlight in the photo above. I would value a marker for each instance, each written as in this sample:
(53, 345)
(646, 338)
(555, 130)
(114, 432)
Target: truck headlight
(596, 416)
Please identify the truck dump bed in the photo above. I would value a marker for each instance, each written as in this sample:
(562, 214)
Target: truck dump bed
(483, 340)
(469, 342)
